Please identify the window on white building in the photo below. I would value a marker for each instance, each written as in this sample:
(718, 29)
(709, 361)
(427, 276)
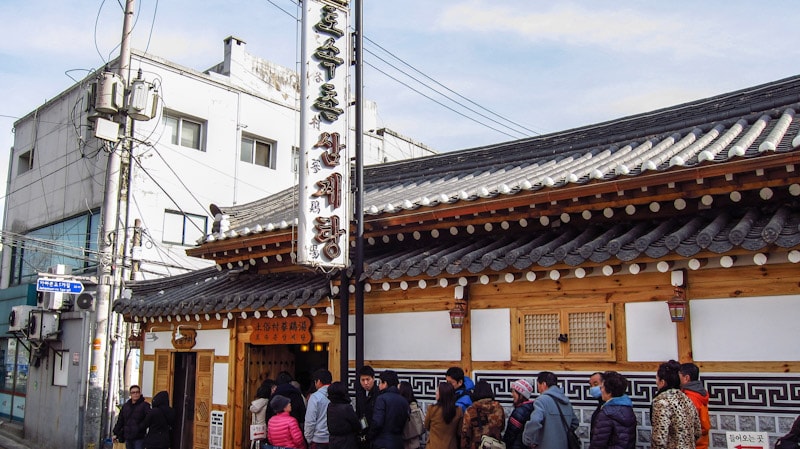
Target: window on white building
(566, 333)
(182, 228)
(25, 162)
(257, 151)
(184, 132)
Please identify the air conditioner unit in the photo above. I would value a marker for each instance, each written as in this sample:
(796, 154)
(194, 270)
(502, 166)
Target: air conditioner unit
(43, 325)
(52, 300)
(84, 301)
(18, 318)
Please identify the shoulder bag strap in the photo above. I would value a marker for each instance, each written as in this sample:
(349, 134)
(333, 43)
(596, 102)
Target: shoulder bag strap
(563, 421)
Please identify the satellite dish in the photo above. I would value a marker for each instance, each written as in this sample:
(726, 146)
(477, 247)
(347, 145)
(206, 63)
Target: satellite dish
(84, 301)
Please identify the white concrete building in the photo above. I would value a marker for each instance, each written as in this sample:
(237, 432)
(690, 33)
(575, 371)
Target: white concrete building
(226, 136)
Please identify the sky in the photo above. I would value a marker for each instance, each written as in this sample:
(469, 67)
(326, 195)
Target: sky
(544, 66)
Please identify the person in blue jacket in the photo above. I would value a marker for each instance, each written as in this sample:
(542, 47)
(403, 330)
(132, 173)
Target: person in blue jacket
(545, 429)
(615, 425)
(462, 384)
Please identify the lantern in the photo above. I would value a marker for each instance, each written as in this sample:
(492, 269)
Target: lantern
(677, 305)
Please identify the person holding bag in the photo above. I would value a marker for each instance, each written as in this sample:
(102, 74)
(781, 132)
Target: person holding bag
(258, 425)
(415, 427)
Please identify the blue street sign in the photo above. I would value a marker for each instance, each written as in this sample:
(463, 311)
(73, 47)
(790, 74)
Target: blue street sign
(59, 286)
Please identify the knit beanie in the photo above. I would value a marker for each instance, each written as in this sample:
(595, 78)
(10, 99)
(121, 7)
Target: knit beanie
(523, 387)
(278, 403)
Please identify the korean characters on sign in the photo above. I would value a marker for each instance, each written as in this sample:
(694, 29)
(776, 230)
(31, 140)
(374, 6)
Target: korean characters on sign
(323, 230)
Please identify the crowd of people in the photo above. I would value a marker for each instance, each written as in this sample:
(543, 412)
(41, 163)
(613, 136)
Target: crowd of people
(466, 415)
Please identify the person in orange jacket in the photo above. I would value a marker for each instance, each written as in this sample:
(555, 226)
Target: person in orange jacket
(691, 385)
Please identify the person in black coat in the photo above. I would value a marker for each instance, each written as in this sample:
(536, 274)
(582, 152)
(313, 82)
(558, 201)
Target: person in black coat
(158, 421)
(285, 388)
(615, 425)
(390, 415)
(127, 430)
(343, 425)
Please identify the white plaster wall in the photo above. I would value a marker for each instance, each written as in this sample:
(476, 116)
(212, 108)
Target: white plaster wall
(408, 336)
(763, 328)
(220, 388)
(491, 335)
(217, 340)
(148, 374)
(651, 335)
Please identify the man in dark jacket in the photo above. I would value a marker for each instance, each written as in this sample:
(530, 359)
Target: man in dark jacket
(127, 429)
(390, 415)
(366, 401)
(615, 424)
(285, 388)
(521, 391)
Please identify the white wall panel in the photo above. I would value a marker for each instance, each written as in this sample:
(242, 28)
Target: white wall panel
(763, 328)
(652, 336)
(491, 335)
(148, 372)
(408, 336)
(220, 389)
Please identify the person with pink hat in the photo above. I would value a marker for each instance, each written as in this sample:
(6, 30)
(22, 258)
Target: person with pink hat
(521, 390)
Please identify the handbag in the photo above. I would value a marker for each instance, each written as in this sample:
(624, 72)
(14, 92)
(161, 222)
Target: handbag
(258, 431)
(415, 426)
(573, 440)
(488, 442)
(787, 443)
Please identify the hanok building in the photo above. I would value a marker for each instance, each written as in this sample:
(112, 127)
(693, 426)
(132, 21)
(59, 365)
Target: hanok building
(672, 234)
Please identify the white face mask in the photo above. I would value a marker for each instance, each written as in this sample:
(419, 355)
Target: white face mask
(595, 392)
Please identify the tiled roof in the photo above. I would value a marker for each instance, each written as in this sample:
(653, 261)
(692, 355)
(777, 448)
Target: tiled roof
(744, 124)
(717, 231)
(211, 291)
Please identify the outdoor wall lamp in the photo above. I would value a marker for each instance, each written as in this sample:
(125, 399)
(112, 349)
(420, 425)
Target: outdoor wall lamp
(677, 304)
(459, 311)
(151, 333)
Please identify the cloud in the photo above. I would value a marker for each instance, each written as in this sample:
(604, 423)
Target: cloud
(614, 29)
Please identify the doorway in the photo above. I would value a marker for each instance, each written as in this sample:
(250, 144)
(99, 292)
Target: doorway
(267, 361)
(183, 392)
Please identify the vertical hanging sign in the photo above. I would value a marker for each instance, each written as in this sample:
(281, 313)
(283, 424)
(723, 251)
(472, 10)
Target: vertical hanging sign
(324, 209)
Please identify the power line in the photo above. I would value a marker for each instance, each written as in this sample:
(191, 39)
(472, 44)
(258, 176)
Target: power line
(460, 104)
(440, 103)
(447, 88)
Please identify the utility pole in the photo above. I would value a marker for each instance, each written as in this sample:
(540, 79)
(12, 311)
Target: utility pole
(95, 412)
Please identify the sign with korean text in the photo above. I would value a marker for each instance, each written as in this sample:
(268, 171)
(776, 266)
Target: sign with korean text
(324, 203)
(281, 331)
(747, 440)
(59, 286)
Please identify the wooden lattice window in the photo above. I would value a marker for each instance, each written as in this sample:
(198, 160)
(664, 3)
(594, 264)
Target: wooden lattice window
(574, 333)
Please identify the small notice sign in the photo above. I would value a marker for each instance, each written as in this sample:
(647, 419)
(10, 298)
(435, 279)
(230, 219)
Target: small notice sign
(281, 331)
(747, 440)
